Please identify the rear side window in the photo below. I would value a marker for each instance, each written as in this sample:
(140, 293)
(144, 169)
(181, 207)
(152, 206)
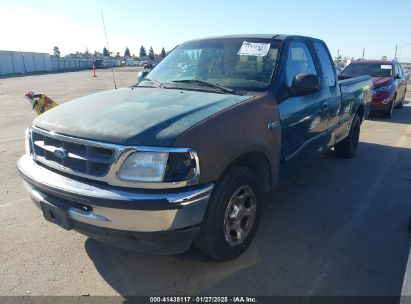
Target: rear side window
(299, 61)
(326, 64)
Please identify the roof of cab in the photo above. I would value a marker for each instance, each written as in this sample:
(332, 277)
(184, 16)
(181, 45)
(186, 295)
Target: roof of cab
(256, 36)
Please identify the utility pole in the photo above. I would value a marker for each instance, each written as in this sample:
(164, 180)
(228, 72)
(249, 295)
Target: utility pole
(363, 53)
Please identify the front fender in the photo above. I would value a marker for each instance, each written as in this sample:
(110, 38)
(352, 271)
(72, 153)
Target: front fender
(224, 137)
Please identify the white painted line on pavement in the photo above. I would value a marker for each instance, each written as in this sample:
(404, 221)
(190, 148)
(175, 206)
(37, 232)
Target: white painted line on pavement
(406, 285)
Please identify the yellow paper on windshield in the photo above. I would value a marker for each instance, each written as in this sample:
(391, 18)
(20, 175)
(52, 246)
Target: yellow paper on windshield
(254, 49)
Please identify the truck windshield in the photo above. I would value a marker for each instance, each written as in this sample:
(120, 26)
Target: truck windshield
(243, 64)
(372, 69)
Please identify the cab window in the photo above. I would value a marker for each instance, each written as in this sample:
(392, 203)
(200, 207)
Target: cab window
(326, 64)
(299, 61)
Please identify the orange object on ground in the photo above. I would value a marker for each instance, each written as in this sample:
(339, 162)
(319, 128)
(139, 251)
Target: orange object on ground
(94, 71)
(40, 102)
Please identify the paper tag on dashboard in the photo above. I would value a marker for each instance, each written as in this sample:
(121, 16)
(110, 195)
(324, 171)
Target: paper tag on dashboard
(254, 49)
(386, 67)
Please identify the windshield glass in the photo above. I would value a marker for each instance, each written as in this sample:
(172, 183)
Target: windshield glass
(372, 69)
(244, 64)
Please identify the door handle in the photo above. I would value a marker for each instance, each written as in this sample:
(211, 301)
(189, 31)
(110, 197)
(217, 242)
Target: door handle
(324, 106)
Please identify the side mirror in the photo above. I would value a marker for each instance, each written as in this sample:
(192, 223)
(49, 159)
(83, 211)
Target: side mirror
(141, 75)
(304, 84)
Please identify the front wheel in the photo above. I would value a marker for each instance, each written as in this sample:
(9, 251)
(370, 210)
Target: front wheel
(232, 216)
(347, 147)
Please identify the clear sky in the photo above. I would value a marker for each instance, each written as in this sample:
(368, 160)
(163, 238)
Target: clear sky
(348, 25)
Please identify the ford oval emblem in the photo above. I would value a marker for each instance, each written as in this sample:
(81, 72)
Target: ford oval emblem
(60, 153)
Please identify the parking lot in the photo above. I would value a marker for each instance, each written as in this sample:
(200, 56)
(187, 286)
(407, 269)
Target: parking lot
(339, 227)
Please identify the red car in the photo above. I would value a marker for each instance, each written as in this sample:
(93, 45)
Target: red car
(389, 83)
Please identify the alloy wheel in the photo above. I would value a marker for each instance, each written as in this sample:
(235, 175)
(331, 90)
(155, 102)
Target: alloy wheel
(240, 215)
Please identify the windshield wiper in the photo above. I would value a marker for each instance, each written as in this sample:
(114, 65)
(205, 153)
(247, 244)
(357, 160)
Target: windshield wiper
(156, 83)
(205, 83)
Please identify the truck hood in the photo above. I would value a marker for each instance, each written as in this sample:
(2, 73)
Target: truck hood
(135, 116)
(380, 81)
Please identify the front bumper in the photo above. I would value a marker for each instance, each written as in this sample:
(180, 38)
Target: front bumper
(157, 221)
(375, 108)
(381, 102)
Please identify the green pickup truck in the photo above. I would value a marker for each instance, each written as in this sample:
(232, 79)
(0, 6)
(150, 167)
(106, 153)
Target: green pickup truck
(187, 154)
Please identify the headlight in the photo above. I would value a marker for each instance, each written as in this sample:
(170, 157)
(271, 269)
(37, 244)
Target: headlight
(181, 167)
(153, 166)
(27, 135)
(144, 167)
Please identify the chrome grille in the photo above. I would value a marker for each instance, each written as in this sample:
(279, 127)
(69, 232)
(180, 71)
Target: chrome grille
(67, 154)
(96, 160)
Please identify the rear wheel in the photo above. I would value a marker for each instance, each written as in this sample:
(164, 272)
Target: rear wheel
(348, 147)
(232, 216)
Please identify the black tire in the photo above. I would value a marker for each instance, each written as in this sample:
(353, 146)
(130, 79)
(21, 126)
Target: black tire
(388, 113)
(348, 147)
(212, 239)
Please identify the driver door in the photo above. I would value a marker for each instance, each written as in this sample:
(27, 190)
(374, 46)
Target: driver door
(304, 119)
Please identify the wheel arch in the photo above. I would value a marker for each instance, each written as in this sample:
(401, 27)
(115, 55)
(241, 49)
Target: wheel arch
(360, 112)
(257, 162)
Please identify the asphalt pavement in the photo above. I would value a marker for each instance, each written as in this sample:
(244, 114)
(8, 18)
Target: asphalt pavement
(339, 227)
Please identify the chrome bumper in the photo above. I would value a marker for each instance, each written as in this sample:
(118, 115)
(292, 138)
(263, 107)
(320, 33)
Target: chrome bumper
(136, 210)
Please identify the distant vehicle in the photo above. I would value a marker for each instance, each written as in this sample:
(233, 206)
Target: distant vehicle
(389, 83)
(100, 64)
(406, 73)
(148, 62)
(123, 166)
